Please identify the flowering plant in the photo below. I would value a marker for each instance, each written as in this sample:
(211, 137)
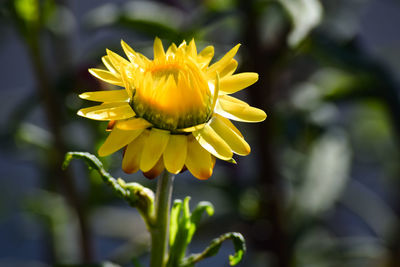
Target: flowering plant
(173, 114)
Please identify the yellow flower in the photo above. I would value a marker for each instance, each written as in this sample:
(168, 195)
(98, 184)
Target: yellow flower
(175, 110)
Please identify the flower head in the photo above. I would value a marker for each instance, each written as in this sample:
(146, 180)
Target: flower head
(174, 111)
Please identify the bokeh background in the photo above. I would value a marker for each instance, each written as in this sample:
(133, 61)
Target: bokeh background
(321, 186)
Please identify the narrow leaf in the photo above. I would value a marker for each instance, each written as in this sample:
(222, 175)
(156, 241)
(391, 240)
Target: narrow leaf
(213, 248)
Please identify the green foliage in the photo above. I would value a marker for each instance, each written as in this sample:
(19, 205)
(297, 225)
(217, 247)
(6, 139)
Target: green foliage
(139, 16)
(213, 248)
(182, 228)
(31, 15)
(27, 10)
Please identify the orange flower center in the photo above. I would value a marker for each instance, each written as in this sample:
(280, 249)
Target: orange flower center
(172, 94)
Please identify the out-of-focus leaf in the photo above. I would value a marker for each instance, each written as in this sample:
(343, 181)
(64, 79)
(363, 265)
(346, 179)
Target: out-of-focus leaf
(27, 10)
(320, 248)
(150, 28)
(305, 15)
(337, 84)
(249, 205)
(217, 5)
(103, 16)
(34, 135)
(103, 264)
(140, 16)
(34, 12)
(61, 21)
(146, 10)
(238, 243)
(327, 172)
(53, 210)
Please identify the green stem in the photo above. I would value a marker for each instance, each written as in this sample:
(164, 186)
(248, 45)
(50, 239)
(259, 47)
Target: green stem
(159, 229)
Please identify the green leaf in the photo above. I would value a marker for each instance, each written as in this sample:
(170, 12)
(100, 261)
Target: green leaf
(180, 231)
(202, 207)
(183, 226)
(238, 243)
(173, 227)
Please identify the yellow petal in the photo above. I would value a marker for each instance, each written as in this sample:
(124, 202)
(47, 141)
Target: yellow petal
(175, 153)
(108, 64)
(229, 124)
(198, 160)
(126, 76)
(235, 141)
(153, 148)
(191, 128)
(205, 56)
(232, 84)
(133, 124)
(108, 111)
(158, 49)
(156, 170)
(118, 62)
(171, 50)
(213, 143)
(191, 49)
(131, 54)
(107, 76)
(116, 140)
(106, 96)
(229, 69)
(223, 62)
(133, 152)
(237, 110)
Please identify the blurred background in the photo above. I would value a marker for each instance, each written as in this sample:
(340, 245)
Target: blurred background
(321, 186)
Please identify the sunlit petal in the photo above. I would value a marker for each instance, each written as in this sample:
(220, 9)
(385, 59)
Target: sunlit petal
(108, 111)
(116, 140)
(232, 84)
(107, 76)
(106, 96)
(235, 141)
(213, 143)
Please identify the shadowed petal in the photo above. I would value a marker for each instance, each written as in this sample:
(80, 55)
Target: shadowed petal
(131, 160)
(175, 153)
(198, 160)
(153, 148)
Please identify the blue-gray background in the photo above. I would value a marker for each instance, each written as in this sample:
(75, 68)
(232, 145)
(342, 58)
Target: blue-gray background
(321, 186)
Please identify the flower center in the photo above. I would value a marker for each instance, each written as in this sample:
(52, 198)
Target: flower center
(172, 94)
